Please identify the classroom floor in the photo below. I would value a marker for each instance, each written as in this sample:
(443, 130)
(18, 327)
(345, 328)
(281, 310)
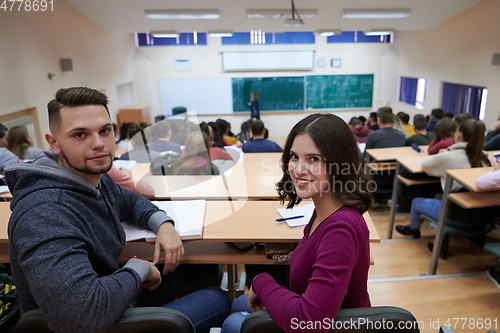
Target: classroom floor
(460, 293)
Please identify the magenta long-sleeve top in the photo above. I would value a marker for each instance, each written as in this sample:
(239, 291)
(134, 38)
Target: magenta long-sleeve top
(328, 271)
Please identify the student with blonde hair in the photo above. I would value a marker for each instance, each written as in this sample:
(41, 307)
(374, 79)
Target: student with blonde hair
(197, 157)
(20, 143)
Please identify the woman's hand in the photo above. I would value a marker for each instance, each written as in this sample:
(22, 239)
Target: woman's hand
(254, 302)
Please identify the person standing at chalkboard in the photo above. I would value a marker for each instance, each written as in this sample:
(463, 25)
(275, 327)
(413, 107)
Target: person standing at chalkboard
(254, 105)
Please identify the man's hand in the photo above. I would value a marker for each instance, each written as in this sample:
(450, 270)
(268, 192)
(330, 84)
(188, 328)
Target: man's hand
(168, 240)
(254, 302)
(154, 279)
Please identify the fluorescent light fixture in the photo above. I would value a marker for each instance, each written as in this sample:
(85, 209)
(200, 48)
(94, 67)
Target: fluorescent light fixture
(375, 13)
(182, 14)
(379, 32)
(329, 32)
(293, 22)
(220, 33)
(164, 34)
(279, 13)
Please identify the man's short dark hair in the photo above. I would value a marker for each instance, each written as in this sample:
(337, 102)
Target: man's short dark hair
(3, 131)
(405, 117)
(448, 114)
(385, 114)
(373, 116)
(162, 128)
(257, 127)
(73, 97)
(354, 121)
(437, 113)
(419, 123)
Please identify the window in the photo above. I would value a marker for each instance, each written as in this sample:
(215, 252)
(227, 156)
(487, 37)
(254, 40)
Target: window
(412, 91)
(459, 98)
(185, 38)
(260, 37)
(359, 37)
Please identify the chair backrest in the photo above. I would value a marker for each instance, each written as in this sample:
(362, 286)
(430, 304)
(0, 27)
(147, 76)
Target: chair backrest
(133, 320)
(223, 165)
(378, 319)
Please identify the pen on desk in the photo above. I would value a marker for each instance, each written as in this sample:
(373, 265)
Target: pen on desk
(289, 218)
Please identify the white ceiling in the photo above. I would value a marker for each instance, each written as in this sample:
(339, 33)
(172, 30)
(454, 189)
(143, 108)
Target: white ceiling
(127, 16)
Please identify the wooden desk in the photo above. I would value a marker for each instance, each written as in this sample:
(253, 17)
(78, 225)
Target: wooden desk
(228, 221)
(237, 186)
(474, 199)
(414, 165)
(391, 154)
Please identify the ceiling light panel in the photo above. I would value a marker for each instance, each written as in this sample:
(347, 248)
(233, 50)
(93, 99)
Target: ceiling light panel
(182, 14)
(279, 13)
(375, 13)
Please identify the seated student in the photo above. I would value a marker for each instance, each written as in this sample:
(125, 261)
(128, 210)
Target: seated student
(123, 177)
(421, 137)
(163, 133)
(487, 181)
(329, 267)
(245, 133)
(444, 136)
(140, 152)
(435, 116)
(6, 158)
(4, 134)
(123, 141)
(462, 116)
(386, 136)
(225, 130)
(197, 157)
(218, 141)
(464, 154)
(448, 114)
(362, 119)
(492, 140)
(20, 143)
(360, 132)
(372, 123)
(216, 152)
(70, 269)
(258, 144)
(405, 119)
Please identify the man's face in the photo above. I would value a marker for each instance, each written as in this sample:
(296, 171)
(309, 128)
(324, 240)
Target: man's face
(84, 141)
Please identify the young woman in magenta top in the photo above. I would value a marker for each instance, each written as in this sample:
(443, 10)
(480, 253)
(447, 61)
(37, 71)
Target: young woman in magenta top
(329, 267)
(445, 130)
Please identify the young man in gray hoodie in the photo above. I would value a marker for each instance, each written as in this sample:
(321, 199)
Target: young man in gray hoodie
(65, 234)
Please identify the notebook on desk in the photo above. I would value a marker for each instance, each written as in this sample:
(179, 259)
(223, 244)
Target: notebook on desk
(189, 217)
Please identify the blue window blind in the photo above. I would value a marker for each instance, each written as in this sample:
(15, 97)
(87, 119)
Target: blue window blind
(459, 98)
(408, 90)
(185, 38)
(248, 38)
(358, 37)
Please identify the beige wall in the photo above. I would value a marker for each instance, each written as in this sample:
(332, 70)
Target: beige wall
(458, 51)
(31, 45)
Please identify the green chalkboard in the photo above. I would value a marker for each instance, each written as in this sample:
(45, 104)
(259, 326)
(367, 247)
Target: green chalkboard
(275, 93)
(339, 91)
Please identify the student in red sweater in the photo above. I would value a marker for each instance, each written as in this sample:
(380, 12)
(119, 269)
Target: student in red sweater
(445, 130)
(329, 267)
